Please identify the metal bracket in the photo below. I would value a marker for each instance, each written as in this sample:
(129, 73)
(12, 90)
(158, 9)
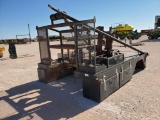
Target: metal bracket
(104, 81)
(122, 72)
(117, 75)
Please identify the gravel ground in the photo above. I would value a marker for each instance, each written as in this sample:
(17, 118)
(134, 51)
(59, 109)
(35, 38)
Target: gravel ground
(23, 97)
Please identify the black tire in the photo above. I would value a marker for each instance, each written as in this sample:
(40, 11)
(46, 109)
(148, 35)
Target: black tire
(156, 37)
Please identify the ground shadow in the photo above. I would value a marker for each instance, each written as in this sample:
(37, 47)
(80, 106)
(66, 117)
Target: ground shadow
(26, 55)
(60, 99)
(137, 70)
(153, 40)
(20, 56)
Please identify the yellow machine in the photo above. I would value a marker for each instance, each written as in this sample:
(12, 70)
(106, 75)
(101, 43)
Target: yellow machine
(122, 31)
(1, 51)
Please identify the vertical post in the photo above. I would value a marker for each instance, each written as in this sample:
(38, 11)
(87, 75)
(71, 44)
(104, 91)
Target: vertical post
(16, 38)
(68, 53)
(52, 22)
(109, 41)
(100, 38)
(76, 45)
(43, 39)
(130, 41)
(48, 44)
(94, 49)
(60, 34)
(29, 33)
(89, 43)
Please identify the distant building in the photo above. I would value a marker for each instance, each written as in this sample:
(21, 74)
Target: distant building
(157, 22)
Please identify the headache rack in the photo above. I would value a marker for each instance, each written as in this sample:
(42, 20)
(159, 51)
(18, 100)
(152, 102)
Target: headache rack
(102, 71)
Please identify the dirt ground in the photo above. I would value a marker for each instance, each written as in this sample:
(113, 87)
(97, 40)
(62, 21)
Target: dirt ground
(23, 97)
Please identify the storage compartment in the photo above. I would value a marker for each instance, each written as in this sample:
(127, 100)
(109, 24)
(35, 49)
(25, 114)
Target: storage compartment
(98, 91)
(50, 73)
(91, 88)
(108, 87)
(126, 73)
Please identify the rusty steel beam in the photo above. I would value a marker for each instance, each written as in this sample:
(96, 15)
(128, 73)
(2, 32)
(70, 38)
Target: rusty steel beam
(100, 38)
(64, 46)
(56, 25)
(54, 30)
(67, 16)
(68, 46)
(109, 41)
(72, 30)
(96, 30)
(66, 24)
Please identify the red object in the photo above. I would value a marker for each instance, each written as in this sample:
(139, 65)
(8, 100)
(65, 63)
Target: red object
(147, 31)
(100, 81)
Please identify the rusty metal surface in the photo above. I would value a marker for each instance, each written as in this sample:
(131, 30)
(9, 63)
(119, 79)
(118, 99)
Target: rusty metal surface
(54, 73)
(100, 38)
(64, 46)
(65, 24)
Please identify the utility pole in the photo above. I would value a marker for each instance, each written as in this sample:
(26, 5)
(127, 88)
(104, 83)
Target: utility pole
(29, 33)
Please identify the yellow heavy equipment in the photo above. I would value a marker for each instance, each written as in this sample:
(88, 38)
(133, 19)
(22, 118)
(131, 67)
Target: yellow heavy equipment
(122, 30)
(1, 51)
